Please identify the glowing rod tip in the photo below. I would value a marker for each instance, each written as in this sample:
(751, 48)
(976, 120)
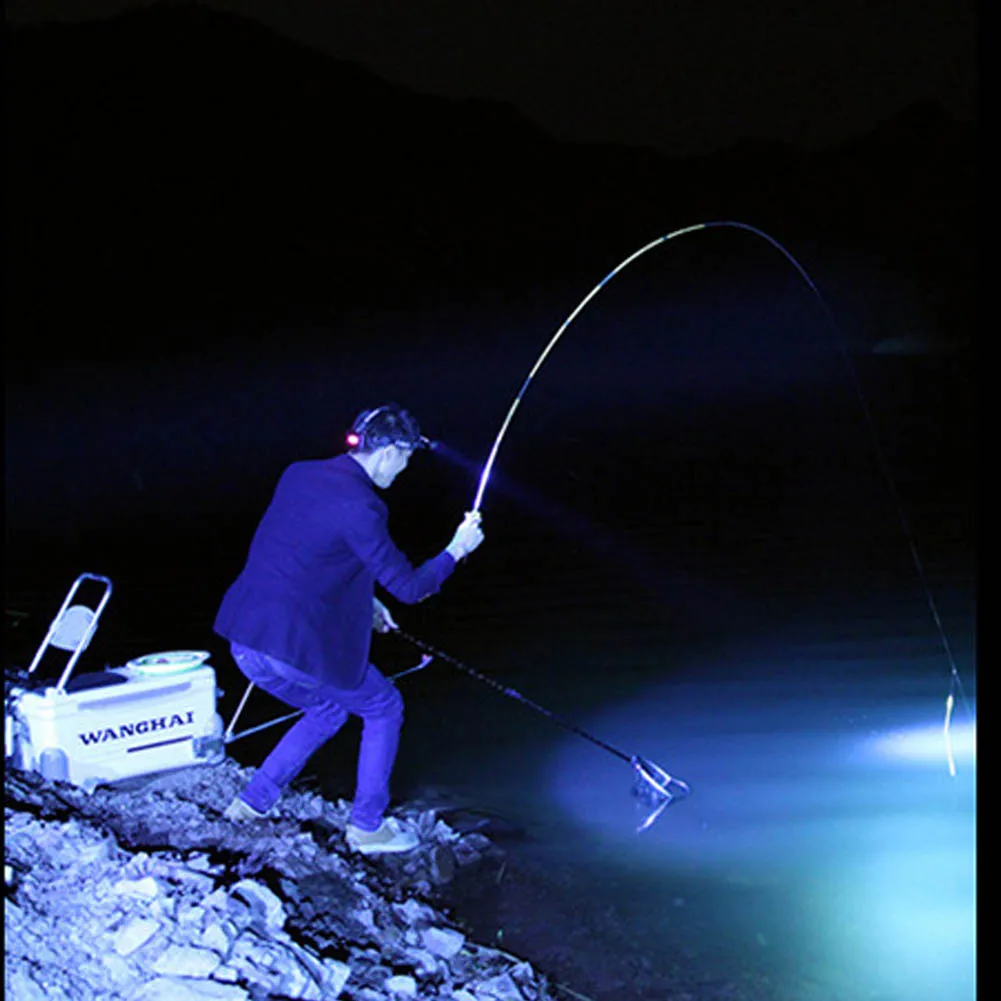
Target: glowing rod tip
(949, 703)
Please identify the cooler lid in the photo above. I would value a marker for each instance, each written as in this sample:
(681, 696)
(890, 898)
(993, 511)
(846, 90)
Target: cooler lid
(168, 662)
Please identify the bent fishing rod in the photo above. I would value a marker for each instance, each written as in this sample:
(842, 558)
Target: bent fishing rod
(955, 683)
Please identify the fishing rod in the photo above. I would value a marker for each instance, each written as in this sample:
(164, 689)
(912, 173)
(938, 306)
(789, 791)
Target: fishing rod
(651, 783)
(955, 682)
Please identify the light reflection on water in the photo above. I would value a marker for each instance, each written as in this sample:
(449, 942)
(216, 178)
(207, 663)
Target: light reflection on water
(858, 866)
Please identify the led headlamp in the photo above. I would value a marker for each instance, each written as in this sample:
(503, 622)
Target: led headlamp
(356, 436)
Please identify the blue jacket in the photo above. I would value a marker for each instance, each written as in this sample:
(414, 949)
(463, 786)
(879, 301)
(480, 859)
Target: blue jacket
(305, 594)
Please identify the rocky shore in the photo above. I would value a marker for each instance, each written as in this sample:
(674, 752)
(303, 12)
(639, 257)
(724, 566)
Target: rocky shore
(146, 892)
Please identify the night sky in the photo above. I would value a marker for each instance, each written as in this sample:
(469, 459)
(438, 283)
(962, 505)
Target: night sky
(685, 77)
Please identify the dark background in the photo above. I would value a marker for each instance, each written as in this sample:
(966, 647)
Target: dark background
(223, 243)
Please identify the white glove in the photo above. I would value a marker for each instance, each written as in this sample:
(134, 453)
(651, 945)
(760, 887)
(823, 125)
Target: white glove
(467, 536)
(382, 621)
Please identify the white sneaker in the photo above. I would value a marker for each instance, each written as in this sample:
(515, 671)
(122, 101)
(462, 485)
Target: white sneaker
(388, 837)
(240, 812)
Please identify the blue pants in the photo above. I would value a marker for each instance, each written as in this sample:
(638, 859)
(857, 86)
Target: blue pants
(377, 701)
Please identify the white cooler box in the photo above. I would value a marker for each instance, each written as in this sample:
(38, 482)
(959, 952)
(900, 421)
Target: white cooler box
(156, 713)
(138, 725)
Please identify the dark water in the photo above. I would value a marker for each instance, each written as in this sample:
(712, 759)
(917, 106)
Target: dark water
(706, 567)
(824, 842)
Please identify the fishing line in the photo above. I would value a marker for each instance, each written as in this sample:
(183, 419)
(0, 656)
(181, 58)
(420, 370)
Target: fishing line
(652, 786)
(956, 684)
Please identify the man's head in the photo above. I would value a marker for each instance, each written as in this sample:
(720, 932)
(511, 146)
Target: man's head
(382, 441)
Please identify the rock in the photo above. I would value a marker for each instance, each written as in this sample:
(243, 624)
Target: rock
(214, 938)
(265, 906)
(117, 968)
(466, 854)
(230, 928)
(336, 976)
(173, 989)
(333, 894)
(216, 899)
(189, 914)
(20, 987)
(190, 881)
(413, 911)
(186, 961)
(366, 918)
(92, 853)
(443, 942)
(139, 862)
(402, 986)
(391, 936)
(479, 842)
(264, 962)
(134, 934)
(523, 974)
(423, 961)
(312, 964)
(239, 911)
(163, 907)
(501, 987)
(441, 864)
(182, 937)
(12, 914)
(297, 983)
(146, 887)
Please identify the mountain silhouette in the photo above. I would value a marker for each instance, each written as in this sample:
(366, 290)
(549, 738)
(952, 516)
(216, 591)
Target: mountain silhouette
(178, 161)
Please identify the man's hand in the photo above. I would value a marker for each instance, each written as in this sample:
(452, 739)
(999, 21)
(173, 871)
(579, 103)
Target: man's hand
(467, 536)
(382, 621)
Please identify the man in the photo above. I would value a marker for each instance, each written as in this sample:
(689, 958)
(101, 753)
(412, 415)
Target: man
(300, 615)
